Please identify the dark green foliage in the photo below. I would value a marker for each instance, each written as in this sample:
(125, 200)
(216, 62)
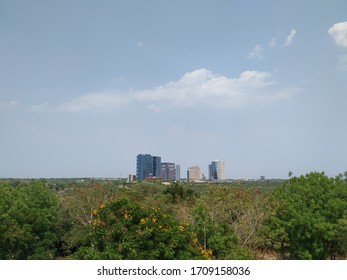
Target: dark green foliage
(28, 221)
(178, 193)
(310, 218)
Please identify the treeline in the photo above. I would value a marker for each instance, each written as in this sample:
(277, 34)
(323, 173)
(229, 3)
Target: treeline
(300, 218)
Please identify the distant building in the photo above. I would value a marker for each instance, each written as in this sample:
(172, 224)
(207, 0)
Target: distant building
(210, 171)
(216, 170)
(131, 178)
(262, 178)
(178, 172)
(156, 166)
(144, 166)
(154, 179)
(194, 173)
(168, 171)
(147, 166)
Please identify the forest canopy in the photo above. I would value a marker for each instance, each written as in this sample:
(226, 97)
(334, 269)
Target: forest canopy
(303, 217)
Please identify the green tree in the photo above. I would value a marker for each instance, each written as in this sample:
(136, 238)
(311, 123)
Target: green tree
(28, 221)
(228, 220)
(310, 217)
(125, 230)
(178, 193)
(76, 217)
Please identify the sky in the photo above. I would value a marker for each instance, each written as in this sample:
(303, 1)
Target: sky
(85, 86)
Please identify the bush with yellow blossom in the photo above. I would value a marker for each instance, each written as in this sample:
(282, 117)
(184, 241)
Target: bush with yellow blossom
(125, 230)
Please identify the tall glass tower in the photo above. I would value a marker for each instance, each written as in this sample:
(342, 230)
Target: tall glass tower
(217, 170)
(156, 166)
(147, 166)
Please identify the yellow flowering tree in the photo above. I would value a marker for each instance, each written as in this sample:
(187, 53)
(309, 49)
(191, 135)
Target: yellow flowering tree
(125, 230)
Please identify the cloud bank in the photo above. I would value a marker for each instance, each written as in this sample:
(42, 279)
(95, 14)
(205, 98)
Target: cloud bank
(200, 87)
(339, 33)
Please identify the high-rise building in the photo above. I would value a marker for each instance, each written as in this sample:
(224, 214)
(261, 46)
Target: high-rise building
(194, 173)
(178, 172)
(168, 171)
(156, 166)
(147, 166)
(216, 170)
(144, 166)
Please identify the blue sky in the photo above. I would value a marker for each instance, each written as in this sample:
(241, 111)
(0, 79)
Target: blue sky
(87, 85)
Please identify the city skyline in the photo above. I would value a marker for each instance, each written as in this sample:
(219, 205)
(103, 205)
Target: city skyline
(153, 167)
(86, 86)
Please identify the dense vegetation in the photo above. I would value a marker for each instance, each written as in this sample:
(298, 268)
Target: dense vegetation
(300, 218)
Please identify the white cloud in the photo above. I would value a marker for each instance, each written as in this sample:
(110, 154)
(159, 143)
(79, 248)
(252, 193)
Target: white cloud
(339, 33)
(202, 87)
(197, 88)
(8, 105)
(290, 38)
(256, 52)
